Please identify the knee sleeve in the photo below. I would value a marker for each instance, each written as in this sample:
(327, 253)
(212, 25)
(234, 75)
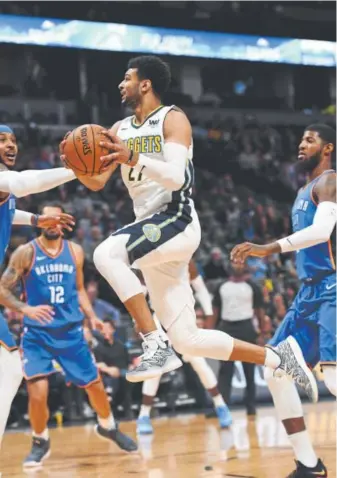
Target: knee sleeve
(285, 396)
(113, 248)
(329, 374)
(188, 339)
(111, 260)
(203, 370)
(150, 387)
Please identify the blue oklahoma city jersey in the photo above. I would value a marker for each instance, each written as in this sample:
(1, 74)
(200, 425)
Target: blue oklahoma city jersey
(317, 261)
(7, 211)
(52, 280)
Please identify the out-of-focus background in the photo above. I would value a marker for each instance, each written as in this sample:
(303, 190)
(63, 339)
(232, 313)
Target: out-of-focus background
(249, 75)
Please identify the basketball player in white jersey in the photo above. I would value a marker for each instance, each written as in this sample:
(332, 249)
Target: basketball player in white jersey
(199, 364)
(154, 148)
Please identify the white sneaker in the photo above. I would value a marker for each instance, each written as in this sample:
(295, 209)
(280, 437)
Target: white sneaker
(294, 366)
(158, 358)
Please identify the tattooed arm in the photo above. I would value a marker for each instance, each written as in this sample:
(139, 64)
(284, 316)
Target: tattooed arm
(19, 264)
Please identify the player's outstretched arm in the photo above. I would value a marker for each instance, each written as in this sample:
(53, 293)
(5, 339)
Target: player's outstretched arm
(83, 298)
(98, 181)
(320, 231)
(33, 181)
(19, 264)
(170, 173)
(44, 221)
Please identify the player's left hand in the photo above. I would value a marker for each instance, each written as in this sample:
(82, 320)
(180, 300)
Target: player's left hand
(240, 252)
(46, 221)
(97, 324)
(120, 152)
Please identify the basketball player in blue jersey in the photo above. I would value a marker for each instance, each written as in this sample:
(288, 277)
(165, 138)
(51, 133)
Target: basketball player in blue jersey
(12, 185)
(154, 148)
(51, 270)
(311, 318)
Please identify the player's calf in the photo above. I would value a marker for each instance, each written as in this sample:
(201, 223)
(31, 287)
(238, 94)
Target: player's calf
(107, 428)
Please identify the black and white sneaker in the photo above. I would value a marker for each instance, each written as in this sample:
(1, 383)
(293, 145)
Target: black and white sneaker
(123, 441)
(40, 451)
(305, 472)
(294, 366)
(158, 358)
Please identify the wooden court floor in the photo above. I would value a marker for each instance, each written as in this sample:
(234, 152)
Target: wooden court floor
(188, 446)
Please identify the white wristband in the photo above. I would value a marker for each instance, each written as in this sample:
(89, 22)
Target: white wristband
(22, 218)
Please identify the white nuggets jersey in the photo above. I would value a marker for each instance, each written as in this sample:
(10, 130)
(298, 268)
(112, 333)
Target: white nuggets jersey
(147, 195)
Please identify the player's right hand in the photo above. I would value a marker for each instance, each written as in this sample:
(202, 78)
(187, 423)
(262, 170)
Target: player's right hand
(41, 313)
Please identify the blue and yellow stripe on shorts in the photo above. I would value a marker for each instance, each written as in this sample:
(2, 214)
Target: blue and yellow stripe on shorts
(148, 234)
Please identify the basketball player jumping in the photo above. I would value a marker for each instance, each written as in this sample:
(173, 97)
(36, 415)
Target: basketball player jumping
(154, 147)
(199, 364)
(12, 185)
(311, 318)
(52, 272)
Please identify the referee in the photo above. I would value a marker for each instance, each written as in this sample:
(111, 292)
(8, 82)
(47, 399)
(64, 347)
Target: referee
(236, 302)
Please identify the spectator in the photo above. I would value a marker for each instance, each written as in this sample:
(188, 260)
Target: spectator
(215, 268)
(112, 359)
(102, 309)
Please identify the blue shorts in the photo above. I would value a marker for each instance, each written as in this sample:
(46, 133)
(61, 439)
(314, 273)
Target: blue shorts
(6, 338)
(311, 319)
(66, 346)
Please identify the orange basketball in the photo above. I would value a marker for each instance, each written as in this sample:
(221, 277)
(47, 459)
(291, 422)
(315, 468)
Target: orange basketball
(83, 151)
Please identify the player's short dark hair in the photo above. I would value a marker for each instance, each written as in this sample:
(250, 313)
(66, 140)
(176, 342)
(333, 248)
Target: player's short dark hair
(152, 68)
(109, 321)
(52, 204)
(326, 132)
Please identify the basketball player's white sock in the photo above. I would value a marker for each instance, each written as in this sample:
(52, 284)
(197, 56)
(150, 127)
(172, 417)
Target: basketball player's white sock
(10, 380)
(303, 448)
(218, 401)
(44, 434)
(272, 359)
(107, 423)
(288, 405)
(144, 411)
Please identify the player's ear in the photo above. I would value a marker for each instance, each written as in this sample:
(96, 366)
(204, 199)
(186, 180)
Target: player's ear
(146, 85)
(328, 148)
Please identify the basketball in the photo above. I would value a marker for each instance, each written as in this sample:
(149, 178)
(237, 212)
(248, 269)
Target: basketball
(83, 151)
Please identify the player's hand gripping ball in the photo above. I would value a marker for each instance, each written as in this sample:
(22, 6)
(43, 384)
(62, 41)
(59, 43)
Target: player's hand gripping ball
(81, 150)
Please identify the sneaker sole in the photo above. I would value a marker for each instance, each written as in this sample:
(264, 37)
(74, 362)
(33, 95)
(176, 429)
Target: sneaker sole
(112, 441)
(172, 364)
(306, 370)
(35, 464)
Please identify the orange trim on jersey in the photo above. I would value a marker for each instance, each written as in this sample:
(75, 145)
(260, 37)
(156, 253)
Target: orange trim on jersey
(72, 253)
(47, 253)
(332, 259)
(331, 364)
(10, 349)
(3, 201)
(32, 261)
(39, 375)
(98, 379)
(312, 195)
